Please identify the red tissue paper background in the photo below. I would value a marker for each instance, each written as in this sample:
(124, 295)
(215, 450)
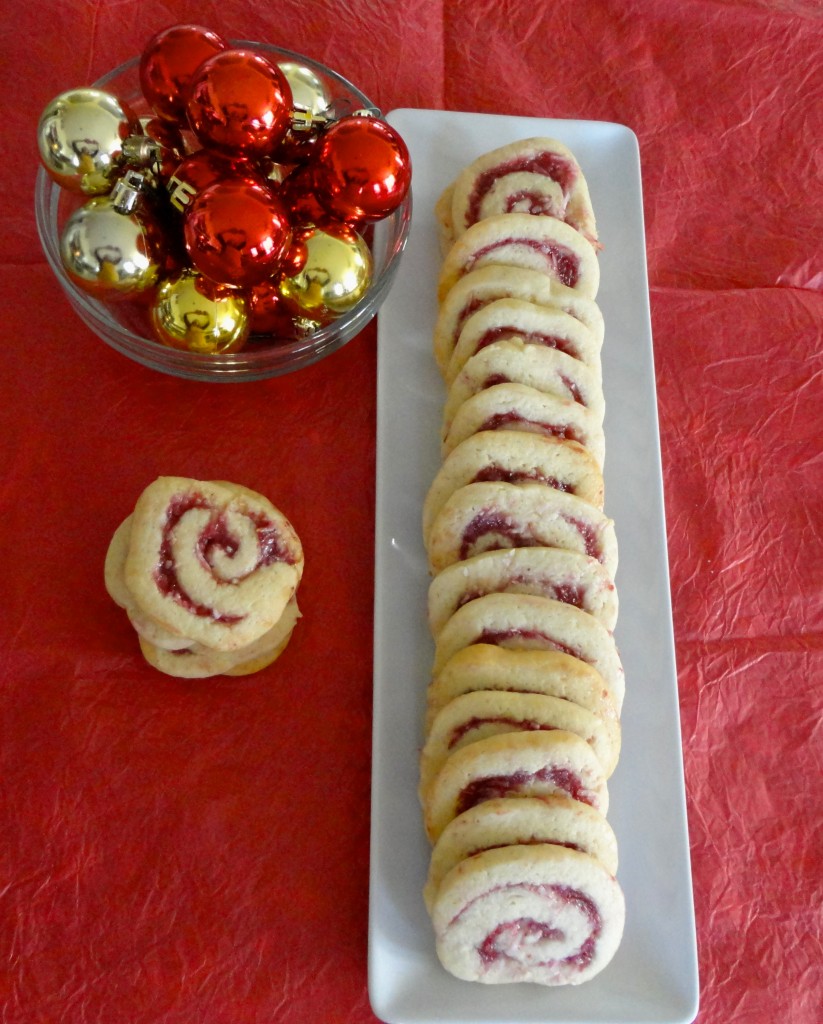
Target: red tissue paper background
(184, 852)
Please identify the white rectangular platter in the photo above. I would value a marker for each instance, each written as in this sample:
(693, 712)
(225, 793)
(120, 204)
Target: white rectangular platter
(653, 977)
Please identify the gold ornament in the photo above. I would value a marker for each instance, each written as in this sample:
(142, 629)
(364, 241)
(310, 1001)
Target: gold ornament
(81, 135)
(196, 315)
(308, 92)
(112, 246)
(335, 273)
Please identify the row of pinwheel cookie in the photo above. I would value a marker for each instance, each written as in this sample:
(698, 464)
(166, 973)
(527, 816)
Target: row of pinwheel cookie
(522, 727)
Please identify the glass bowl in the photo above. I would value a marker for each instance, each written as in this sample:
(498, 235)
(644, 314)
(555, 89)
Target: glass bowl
(124, 325)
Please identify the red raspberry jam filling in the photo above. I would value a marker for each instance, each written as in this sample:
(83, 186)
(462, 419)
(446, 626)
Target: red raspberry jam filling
(499, 474)
(216, 535)
(568, 593)
(568, 384)
(531, 841)
(512, 418)
(591, 541)
(492, 786)
(494, 379)
(499, 637)
(470, 307)
(560, 263)
(270, 541)
(549, 165)
(494, 334)
(477, 722)
(572, 388)
(504, 941)
(489, 523)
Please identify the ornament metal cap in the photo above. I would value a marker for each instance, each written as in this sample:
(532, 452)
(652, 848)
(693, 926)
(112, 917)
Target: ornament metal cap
(140, 149)
(306, 121)
(127, 190)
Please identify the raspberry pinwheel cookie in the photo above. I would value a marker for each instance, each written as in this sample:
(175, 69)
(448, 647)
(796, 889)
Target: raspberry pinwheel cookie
(515, 456)
(535, 176)
(486, 284)
(199, 662)
(511, 670)
(514, 764)
(515, 361)
(543, 914)
(489, 516)
(521, 240)
(113, 570)
(474, 716)
(524, 621)
(522, 822)
(523, 410)
(536, 325)
(115, 579)
(567, 576)
(443, 219)
(211, 562)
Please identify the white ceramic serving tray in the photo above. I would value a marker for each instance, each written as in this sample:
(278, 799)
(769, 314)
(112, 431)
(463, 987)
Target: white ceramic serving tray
(653, 977)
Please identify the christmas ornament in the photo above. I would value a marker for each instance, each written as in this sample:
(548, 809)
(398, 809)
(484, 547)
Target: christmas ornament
(274, 173)
(237, 232)
(297, 192)
(240, 103)
(81, 135)
(158, 148)
(297, 146)
(335, 275)
(189, 312)
(362, 169)
(199, 170)
(309, 116)
(308, 92)
(113, 246)
(295, 259)
(269, 316)
(237, 207)
(168, 63)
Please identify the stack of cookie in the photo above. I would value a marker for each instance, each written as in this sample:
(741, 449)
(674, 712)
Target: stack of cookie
(523, 717)
(207, 573)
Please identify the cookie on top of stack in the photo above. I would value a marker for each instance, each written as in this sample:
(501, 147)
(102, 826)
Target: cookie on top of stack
(523, 708)
(207, 572)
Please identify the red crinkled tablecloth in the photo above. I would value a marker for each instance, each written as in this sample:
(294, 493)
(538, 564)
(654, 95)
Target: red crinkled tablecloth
(189, 852)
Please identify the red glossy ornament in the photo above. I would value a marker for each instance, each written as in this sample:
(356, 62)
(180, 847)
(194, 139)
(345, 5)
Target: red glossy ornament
(237, 232)
(266, 312)
(164, 133)
(362, 169)
(169, 141)
(201, 169)
(295, 259)
(168, 62)
(240, 103)
(297, 192)
(297, 147)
